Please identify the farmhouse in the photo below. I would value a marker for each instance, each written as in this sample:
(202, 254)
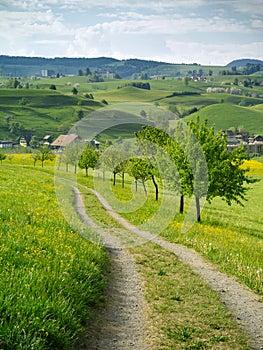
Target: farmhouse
(6, 144)
(63, 140)
(47, 140)
(255, 145)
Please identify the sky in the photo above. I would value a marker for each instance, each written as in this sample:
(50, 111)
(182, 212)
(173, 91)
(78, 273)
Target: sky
(207, 32)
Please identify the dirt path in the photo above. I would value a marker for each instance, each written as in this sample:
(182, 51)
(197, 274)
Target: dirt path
(120, 324)
(243, 304)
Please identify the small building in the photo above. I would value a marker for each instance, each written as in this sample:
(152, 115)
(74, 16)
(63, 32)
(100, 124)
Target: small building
(46, 73)
(23, 142)
(94, 143)
(47, 140)
(255, 145)
(63, 140)
(6, 144)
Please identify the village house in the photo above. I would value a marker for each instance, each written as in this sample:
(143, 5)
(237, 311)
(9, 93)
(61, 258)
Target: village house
(62, 141)
(255, 145)
(47, 140)
(6, 144)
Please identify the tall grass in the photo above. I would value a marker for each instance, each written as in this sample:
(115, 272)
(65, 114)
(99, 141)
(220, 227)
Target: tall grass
(50, 277)
(230, 236)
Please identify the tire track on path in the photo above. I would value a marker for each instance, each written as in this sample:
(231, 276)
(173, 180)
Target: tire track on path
(120, 324)
(242, 303)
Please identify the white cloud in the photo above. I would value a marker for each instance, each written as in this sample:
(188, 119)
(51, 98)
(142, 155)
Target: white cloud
(172, 30)
(213, 53)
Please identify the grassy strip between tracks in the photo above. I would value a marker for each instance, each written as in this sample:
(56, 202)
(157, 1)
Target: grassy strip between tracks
(182, 311)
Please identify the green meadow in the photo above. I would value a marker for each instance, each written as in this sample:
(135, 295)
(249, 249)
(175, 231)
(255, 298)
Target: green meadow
(52, 277)
(225, 116)
(41, 111)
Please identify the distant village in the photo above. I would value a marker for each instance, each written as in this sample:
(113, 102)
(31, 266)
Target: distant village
(57, 145)
(253, 144)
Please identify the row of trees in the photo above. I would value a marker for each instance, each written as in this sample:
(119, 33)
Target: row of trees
(190, 161)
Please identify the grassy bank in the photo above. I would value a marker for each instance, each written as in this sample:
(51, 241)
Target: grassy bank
(50, 277)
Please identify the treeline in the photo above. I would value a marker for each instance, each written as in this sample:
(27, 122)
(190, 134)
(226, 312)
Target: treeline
(248, 69)
(191, 161)
(140, 85)
(26, 66)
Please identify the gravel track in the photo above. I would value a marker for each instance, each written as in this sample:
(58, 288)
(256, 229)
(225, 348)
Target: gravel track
(120, 324)
(127, 299)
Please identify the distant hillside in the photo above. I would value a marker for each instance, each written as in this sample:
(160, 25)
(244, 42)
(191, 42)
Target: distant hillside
(243, 62)
(28, 66)
(17, 66)
(225, 116)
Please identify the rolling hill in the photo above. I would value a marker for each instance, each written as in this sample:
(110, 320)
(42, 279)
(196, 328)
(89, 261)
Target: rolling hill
(225, 116)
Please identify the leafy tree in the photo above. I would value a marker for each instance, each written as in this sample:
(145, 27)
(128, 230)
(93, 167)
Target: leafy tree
(53, 87)
(143, 114)
(89, 95)
(113, 159)
(74, 91)
(16, 83)
(226, 178)
(72, 154)
(186, 81)
(44, 153)
(34, 142)
(205, 166)
(174, 167)
(88, 72)
(142, 170)
(2, 157)
(80, 114)
(88, 158)
(23, 101)
(16, 128)
(80, 72)
(35, 157)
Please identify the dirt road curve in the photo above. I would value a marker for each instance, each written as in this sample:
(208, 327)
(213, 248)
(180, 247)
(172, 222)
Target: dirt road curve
(126, 300)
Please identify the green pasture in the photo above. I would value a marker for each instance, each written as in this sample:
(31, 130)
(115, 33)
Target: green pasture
(225, 116)
(230, 236)
(51, 276)
(46, 260)
(46, 111)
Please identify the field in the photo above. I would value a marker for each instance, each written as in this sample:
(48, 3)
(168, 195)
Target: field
(44, 112)
(41, 252)
(41, 111)
(226, 116)
(50, 275)
(230, 236)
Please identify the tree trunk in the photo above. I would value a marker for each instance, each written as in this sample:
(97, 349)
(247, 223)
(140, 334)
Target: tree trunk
(75, 169)
(114, 179)
(122, 180)
(66, 167)
(198, 214)
(181, 204)
(87, 173)
(144, 188)
(156, 188)
(136, 185)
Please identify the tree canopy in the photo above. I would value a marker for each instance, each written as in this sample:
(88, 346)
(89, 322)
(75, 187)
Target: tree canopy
(204, 167)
